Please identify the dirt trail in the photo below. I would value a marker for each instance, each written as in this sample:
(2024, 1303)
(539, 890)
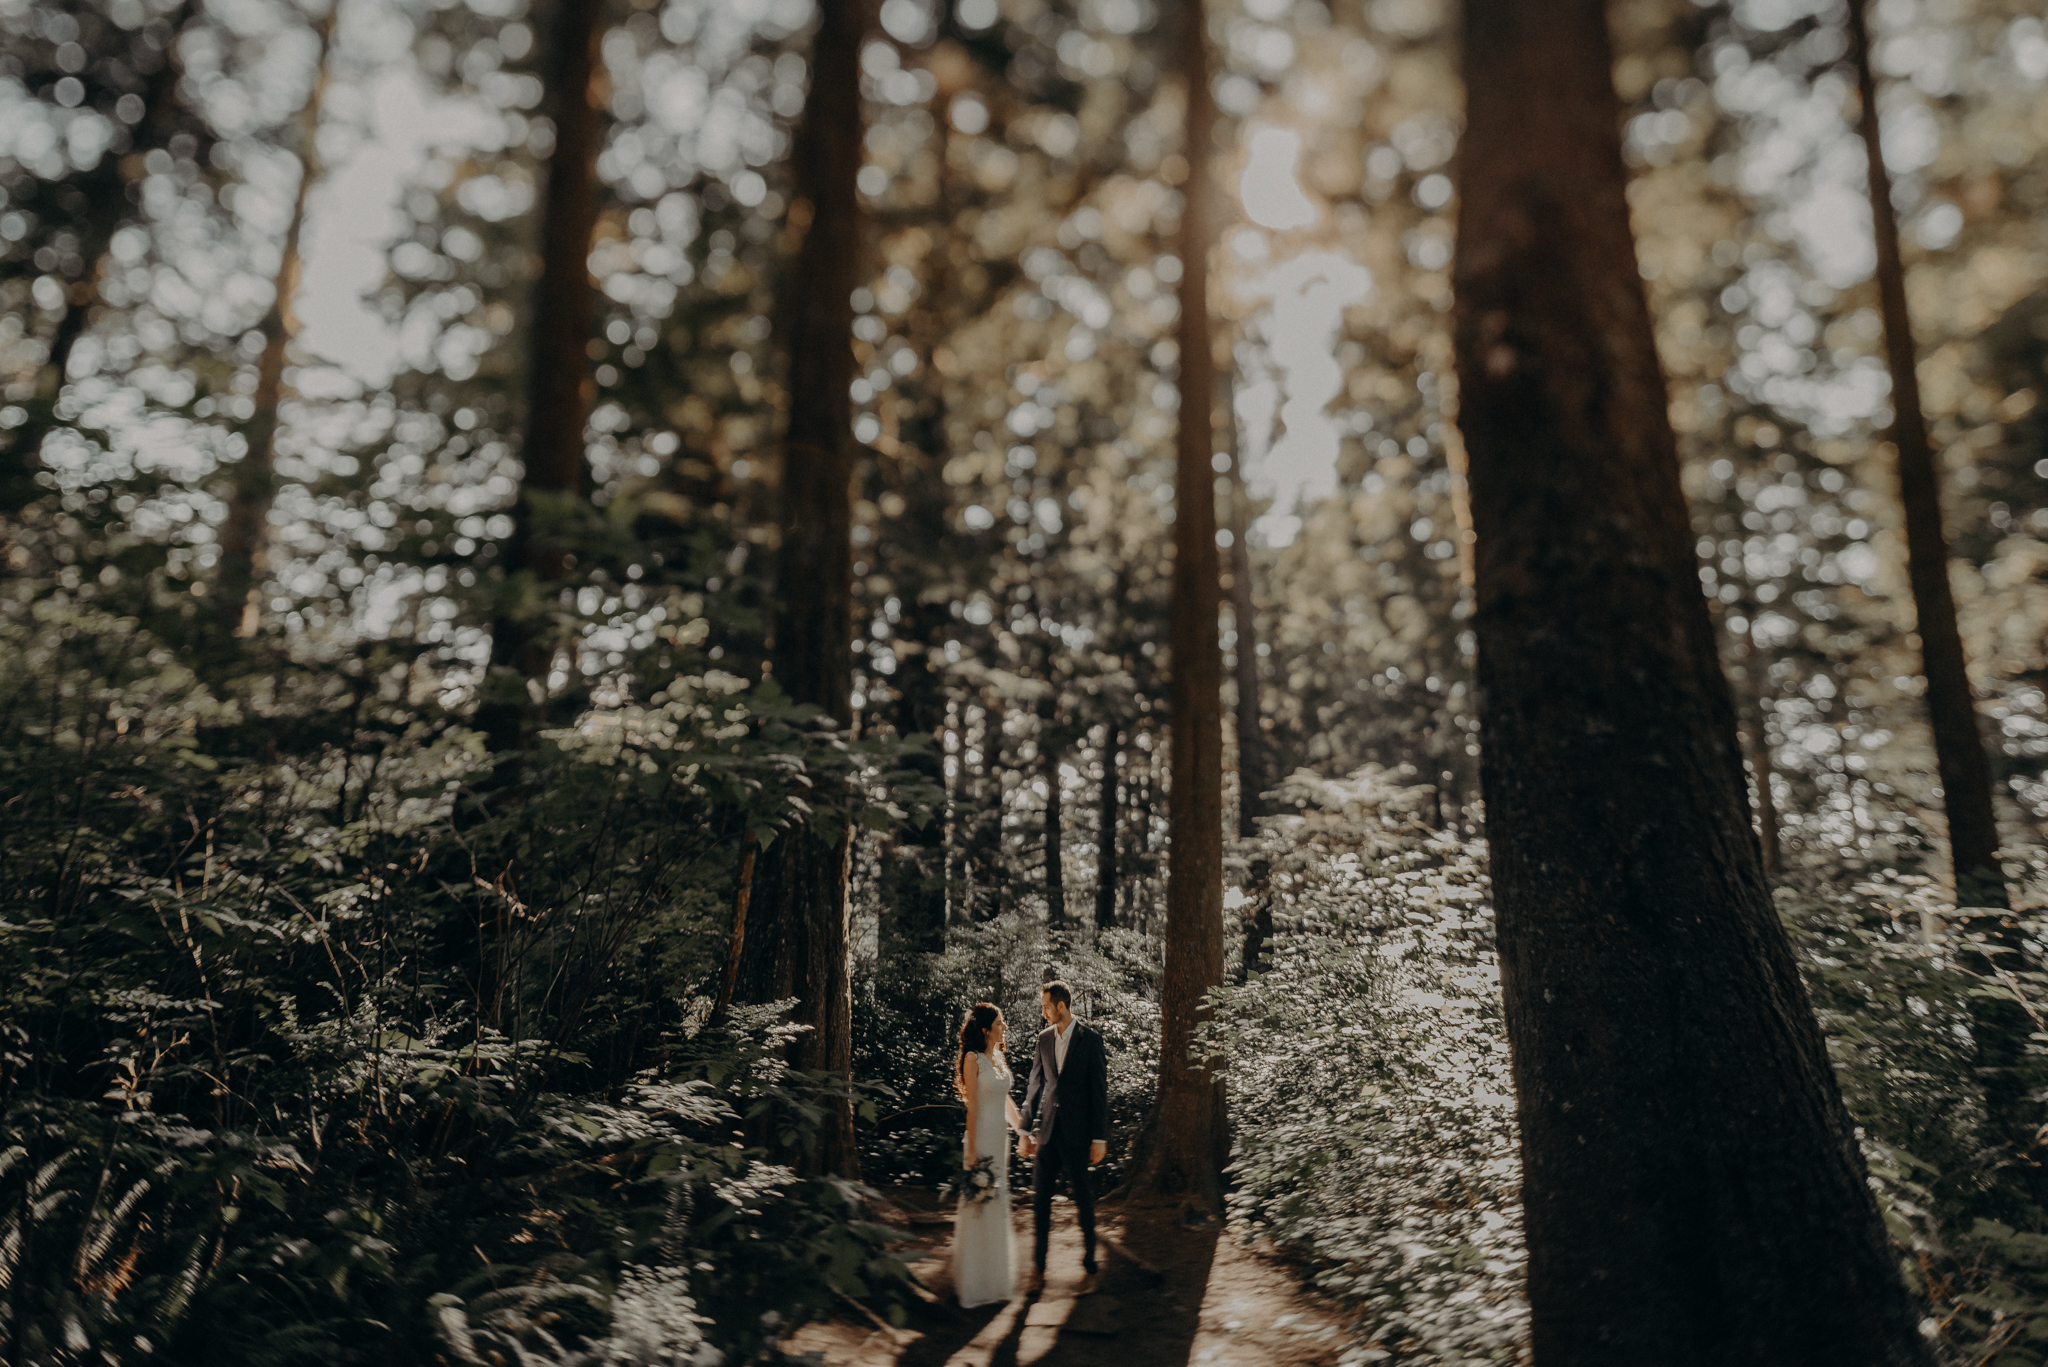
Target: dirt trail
(1168, 1296)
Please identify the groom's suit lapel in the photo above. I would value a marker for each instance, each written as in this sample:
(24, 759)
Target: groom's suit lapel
(1048, 1045)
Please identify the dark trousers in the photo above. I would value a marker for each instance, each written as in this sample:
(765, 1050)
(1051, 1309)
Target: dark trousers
(1061, 1155)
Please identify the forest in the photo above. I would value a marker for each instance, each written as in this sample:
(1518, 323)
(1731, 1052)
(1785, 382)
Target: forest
(580, 579)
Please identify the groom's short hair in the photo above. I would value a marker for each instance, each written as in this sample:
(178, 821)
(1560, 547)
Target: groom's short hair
(1059, 992)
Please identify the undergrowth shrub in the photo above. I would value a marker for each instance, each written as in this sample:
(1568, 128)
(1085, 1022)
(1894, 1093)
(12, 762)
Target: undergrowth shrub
(1372, 1104)
(329, 1037)
(910, 1006)
(1370, 1099)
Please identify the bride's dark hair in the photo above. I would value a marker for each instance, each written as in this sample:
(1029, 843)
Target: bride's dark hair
(981, 1018)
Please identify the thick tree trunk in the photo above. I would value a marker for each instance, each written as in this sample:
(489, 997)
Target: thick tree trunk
(1190, 1144)
(1958, 743)
(1254, 775)
(244, 532)
(558, 381)
(1055, 850)
(805, 905)
(1105, 832)
(1693, 1189)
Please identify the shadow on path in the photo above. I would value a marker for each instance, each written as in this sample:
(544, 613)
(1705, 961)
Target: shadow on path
(1144, 1313)
(1171, 1294)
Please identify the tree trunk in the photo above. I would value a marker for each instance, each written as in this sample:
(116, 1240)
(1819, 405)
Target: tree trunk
(1105, 833)
(1958, 743)
(1693, 1189)
(1257, 923)
(743, 893)
(1139, 906)
(558, 380)
(805, 906)
(949, 817)
(106, 188)
(1756, 746)
(1055, 851)
(1190, 1145)
(1254, 774)
(2000, 1027)
(244, 533)
(914, 864)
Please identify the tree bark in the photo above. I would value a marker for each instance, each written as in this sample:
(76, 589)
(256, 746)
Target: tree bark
(244, 532)
(1190, 1144)
(805, 905)
(1257, 923)
(559, 386)
(915, 552)
(1254, 774)
(1692, 1185)
(2000, 1027)
(1055, 852)
(743, 892)
(1105, 832)
(914, 863)
(1756, 746)
(1958, 743)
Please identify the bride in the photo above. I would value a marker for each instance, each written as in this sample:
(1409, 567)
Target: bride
(984, 1243)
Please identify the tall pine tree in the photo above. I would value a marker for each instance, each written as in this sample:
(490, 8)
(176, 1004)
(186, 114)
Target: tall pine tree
(1693, 1188)
(1190, 1142)
(799, 942)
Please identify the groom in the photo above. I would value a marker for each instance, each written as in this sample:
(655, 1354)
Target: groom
(1066, 1122)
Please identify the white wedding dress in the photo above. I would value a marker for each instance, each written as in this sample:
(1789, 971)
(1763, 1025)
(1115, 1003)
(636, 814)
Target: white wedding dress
(984, 1243)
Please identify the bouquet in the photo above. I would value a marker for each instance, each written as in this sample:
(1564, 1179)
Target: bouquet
(976, 1184)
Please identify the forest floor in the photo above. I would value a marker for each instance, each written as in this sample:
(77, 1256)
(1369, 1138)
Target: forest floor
(1169, 1295)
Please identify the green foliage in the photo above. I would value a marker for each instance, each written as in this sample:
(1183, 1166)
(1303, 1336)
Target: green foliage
(1879, 953)
(1368, 1074)
(908, 1010)
(332, 1038)
(1372, 1106)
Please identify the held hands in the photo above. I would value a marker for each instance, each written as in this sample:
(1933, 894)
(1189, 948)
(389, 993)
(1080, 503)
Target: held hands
(1028, 1147)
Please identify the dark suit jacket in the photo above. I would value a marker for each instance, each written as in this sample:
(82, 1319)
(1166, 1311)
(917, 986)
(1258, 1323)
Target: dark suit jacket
(1079, 1092)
